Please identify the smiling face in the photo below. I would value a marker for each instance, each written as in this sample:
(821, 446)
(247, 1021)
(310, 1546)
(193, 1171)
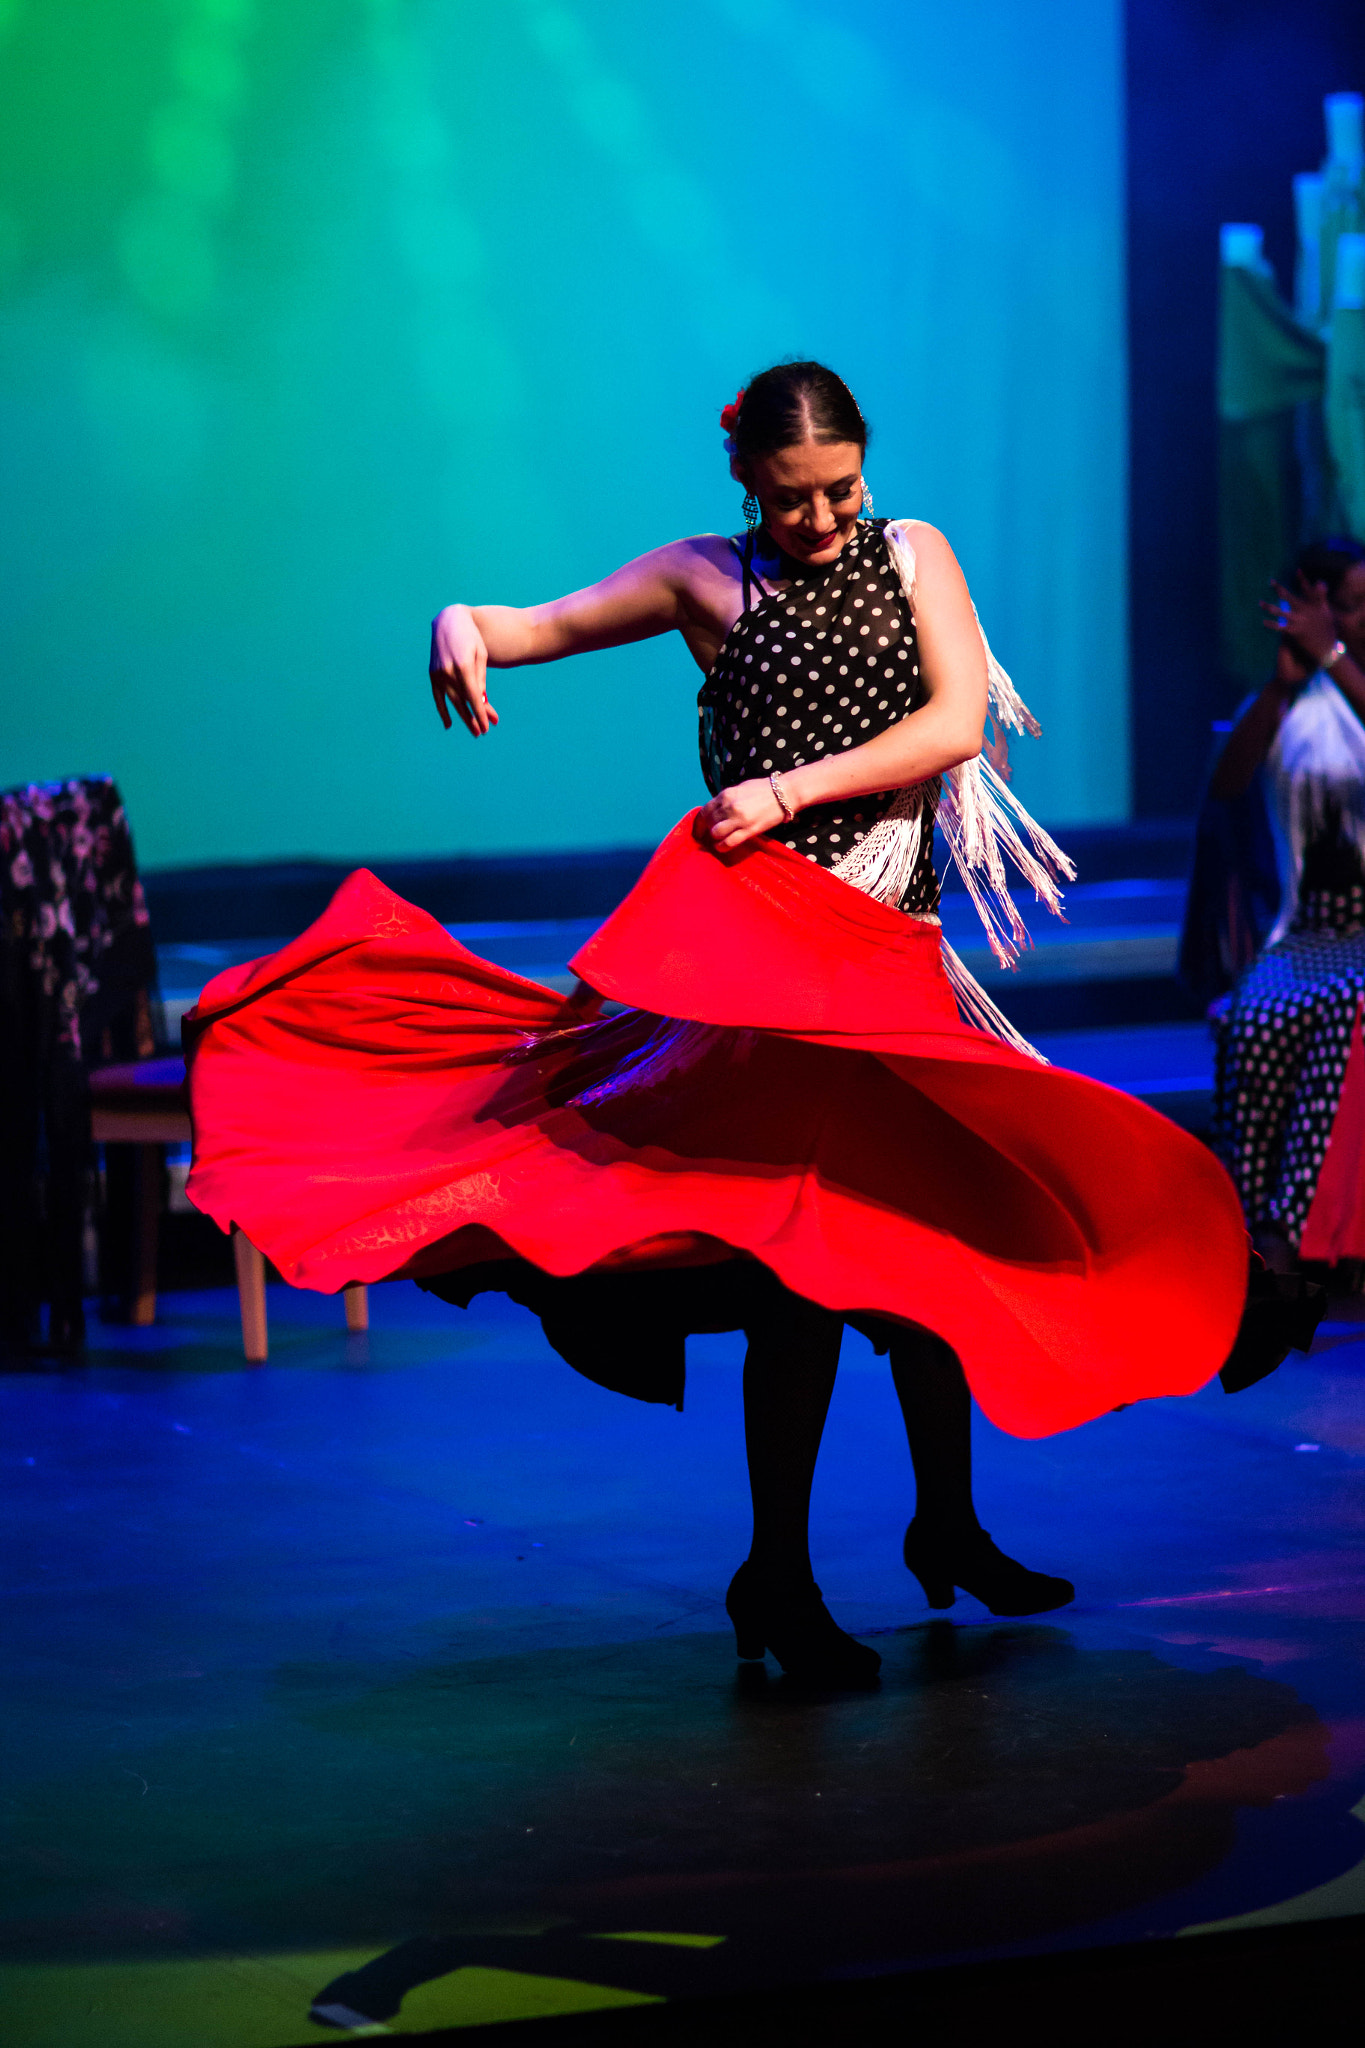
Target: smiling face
(1348, 608)
(811, 495)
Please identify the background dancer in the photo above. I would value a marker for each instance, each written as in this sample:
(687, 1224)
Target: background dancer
(790, 1126)
(1285, 1032)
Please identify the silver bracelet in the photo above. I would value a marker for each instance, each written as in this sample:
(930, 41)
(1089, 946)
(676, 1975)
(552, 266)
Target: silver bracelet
(1333, 655)
(775, 784)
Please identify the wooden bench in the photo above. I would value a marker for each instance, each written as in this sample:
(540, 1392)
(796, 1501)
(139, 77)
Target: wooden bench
(143, 1104)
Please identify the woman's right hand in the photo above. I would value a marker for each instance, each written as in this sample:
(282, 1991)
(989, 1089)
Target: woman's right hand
(459, 669)
(1304, 619)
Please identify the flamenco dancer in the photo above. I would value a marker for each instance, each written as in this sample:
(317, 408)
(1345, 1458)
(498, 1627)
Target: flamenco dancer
(1289, 1026)
(806, 1113)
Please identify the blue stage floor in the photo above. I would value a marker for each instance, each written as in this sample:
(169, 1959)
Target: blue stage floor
(399, 1666)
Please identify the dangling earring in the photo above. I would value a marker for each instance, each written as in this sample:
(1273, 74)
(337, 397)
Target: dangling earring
(867, 499)
(752, 514)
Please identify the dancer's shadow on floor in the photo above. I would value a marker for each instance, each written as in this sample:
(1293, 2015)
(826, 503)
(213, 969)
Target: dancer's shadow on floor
(1007, 1784)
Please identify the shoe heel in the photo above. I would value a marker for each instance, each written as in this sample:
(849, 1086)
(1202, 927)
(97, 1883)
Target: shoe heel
(938, 1592)
(749, 1642)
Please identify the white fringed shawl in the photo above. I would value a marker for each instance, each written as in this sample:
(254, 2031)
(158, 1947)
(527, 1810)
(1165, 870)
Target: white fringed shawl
(982, 820)
(1317, 777)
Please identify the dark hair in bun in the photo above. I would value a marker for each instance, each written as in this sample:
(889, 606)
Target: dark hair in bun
(1328, 561)
(794, 402)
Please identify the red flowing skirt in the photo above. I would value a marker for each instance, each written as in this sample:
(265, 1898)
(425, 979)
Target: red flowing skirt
(376, 1101)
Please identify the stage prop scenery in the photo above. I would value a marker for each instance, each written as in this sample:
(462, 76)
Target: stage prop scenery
(1291, 387)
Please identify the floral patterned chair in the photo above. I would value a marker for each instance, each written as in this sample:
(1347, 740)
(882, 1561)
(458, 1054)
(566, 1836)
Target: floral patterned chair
(77, 972)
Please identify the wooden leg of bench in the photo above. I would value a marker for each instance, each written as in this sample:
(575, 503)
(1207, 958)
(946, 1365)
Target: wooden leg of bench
(251, 1294)
(146, 1229)
(357, 1306)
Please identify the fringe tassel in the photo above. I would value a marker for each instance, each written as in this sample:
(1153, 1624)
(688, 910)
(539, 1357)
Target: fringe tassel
(883, 861)
(1005, 701)
(982, 818)
(977, 1008)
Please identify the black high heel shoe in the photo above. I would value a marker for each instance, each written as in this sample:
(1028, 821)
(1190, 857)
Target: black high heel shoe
(794, 1623)
(970, 1560)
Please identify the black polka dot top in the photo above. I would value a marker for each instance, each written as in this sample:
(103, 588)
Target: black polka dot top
(822, 664)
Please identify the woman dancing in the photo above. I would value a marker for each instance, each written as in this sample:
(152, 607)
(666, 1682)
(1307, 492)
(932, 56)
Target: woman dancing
(789, 1125)
(1285, 1033)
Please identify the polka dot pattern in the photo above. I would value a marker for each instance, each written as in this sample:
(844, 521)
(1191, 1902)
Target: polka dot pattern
(1281, 1059)
(822, 664)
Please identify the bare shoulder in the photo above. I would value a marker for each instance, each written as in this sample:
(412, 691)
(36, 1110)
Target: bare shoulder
(700, 554)
(698, 566)
(680, 562)
(932, 547)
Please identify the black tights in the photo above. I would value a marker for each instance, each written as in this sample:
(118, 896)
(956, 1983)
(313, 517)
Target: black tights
(789, 1374)
(937, 1406)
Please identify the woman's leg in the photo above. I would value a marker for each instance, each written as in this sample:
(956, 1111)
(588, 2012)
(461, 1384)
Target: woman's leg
(945, 1545)
(937, 1406)
(773, 1599)
(789, 1373)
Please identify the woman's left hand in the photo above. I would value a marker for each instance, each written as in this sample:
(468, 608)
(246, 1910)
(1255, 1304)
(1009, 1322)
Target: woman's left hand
(1305, 617)
(738, 815)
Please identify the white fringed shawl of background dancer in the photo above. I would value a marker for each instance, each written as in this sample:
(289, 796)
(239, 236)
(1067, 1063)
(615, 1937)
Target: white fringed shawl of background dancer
(1317, 777)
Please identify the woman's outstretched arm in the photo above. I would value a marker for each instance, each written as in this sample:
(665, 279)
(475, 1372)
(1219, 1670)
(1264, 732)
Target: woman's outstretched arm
(948, 728)
(657, 592)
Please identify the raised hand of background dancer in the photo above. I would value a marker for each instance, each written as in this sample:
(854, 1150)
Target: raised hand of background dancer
(1254, 733)
(459, 669)
(737, 815)
(1305, 618)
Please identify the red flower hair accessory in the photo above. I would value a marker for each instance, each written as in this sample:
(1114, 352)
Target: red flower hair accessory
(729, 414)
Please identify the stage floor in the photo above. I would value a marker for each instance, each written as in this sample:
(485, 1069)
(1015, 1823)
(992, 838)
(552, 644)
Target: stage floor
(394, 1676)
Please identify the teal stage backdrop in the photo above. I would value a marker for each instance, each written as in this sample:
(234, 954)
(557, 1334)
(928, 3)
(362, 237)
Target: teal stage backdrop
(317, 314)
